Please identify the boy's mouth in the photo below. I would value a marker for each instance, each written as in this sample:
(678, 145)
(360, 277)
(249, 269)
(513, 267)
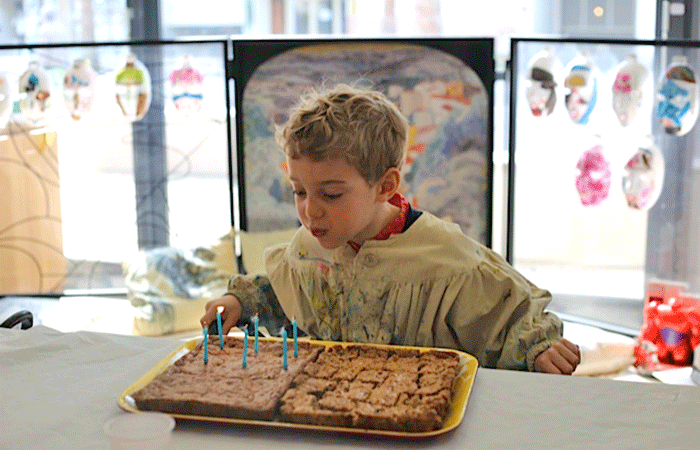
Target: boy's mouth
(318, 232)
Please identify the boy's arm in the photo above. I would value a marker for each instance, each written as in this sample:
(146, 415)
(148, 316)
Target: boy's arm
(500, 317)
(530, 330)
(257, 297)
(536, 335)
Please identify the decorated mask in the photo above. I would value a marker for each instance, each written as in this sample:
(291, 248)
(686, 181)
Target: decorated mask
(581, 85)
(133, 89)
(677, 107)
(627, 90)
(593, 180)
(644, 177)
(186, 83)
(34, 93)
(79, 88)
(541, 83)
(5, 100)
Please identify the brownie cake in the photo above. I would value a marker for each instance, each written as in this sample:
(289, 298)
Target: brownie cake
(374, 388)
(359, 386)
(223, 388)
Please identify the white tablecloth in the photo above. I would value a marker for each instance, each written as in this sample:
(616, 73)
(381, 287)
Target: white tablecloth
(58, 390)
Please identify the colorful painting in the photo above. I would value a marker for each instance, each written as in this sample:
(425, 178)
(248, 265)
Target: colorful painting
(79, 88)
(186, 85)
(678, 92)
(35, 94)
(447, 170)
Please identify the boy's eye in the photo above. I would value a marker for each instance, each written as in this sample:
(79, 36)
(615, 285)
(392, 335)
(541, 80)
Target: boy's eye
(332, 196)
(298, 193)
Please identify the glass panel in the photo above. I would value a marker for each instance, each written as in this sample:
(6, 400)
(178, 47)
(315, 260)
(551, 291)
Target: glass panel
(81, 198)
(605, 204)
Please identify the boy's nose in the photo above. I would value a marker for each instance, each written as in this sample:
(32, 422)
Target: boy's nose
(313, 210)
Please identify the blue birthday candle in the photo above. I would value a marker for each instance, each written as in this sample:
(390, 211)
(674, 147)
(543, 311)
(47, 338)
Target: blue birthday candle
(294, 328)
(205, 342)
(245, 346)
(218, 322)
(284, 348)
(255, 321)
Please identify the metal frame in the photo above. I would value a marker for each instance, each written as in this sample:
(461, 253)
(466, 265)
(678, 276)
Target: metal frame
(251, 53)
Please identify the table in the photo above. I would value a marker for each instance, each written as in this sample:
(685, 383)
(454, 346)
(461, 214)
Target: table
(58, 389)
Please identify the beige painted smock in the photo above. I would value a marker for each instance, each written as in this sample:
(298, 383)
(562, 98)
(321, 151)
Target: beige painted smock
(428, 286)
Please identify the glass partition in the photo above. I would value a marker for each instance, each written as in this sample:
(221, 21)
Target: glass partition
(603, 171)
(106, 149)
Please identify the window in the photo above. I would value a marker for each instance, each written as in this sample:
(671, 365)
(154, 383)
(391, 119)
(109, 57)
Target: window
(88, 190)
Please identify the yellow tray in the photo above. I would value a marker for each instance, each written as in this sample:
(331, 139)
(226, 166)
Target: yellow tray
(462, 388)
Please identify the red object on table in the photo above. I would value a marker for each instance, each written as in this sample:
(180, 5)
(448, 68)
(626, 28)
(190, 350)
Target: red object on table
(671, 328)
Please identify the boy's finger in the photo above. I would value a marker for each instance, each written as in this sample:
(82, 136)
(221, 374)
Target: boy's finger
(209, 316)
(227, 324)
(563, 364)
(571, 346)
(568, 350)
(572, 353)
(573, 358)
(548, 366)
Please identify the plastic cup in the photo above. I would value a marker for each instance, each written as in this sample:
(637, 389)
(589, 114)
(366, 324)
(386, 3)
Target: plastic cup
(140, 431)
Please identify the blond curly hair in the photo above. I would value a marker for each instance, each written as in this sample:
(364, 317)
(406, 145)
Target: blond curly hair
(360, 125)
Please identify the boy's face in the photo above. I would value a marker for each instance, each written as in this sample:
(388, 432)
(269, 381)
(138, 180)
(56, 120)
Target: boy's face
(334, 202)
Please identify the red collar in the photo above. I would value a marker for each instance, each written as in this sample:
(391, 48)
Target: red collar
(395, 227)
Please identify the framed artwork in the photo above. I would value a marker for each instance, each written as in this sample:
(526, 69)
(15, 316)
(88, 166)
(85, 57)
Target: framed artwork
(444, 87)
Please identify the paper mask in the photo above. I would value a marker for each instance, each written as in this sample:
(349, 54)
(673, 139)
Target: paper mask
(581, 85)
(541, 84)
(627, 90)
(593, 181)
(133, 89)
(79, 88)
(644, 177)
(677, 107)
(186, 83)
(34, 93)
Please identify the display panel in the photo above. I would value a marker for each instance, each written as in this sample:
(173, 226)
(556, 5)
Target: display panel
(602, 181)
(444, 87)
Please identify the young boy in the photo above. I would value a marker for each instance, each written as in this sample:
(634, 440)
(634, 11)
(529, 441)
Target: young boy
(367, 267)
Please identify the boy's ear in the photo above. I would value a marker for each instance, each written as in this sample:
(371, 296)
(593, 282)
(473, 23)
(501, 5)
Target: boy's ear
(389, 183)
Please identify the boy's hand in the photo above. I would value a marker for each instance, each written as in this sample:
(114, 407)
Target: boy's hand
(560, 358)
(229, 316)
